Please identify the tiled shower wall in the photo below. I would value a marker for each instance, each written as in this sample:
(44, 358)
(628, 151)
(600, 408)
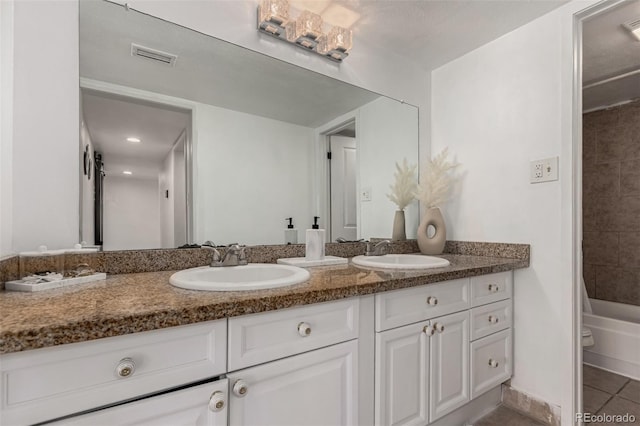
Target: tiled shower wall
(611, 203)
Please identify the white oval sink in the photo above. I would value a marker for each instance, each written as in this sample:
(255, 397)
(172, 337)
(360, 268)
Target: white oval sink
(254, 276)
(400, 261)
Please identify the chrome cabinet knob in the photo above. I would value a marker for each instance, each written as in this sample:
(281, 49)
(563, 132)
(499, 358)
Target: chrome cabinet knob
(439, 327)
(217, 401)
(493, 363)
(493, 319)
(428, 330)
(493, 288)
(126, 367)
(304, 329)
(240, 388)
(432, 301)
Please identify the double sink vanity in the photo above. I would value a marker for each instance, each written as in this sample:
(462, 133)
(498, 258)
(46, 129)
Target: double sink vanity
(347, 345)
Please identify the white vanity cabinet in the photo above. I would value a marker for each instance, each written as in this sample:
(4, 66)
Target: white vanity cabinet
(49, 383)
(427, 362)
(202, 405)
(317, 387)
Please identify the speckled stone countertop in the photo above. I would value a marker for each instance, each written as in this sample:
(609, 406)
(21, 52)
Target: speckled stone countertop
(137, 302)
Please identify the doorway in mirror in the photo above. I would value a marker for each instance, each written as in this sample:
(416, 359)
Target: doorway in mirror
(136, 197)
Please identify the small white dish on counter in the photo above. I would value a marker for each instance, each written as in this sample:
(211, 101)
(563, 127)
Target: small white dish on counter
(254, 276)
(400, 261)
(304, 263)
(31, 286)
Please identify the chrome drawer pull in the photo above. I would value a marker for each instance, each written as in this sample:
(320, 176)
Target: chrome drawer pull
(493, 288)
(493, 363)
(439, 327)
(432, 300)
(428, 330)
(126, 367)
(493, 319)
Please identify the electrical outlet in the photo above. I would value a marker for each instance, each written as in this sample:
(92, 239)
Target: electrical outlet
(545, 170)
(365, 194)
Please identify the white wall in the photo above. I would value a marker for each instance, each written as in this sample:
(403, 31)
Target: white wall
(6, 127)
(45, 125)
(131, 214)
(247, 202)
(179, 194)
(497, 108)
(387, 133)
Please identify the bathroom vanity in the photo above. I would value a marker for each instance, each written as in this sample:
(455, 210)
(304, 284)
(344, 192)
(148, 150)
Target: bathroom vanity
(350, 346)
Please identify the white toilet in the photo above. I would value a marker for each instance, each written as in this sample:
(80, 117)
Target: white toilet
(587, 337)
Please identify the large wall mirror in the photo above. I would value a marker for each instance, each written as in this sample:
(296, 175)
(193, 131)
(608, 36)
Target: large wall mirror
(188, 138)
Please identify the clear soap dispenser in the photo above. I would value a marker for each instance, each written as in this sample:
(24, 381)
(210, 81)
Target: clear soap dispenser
(315, 241)
(290, 234)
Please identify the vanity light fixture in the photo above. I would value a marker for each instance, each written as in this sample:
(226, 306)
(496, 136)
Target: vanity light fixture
(134, 140)
(127, 172)
(306, 31)
(634, 27)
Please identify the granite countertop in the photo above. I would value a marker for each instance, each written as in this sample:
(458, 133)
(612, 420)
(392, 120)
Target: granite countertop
(136, 302)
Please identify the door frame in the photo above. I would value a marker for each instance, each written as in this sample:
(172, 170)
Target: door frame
(578, 19)
(190, 142)
(321, 201)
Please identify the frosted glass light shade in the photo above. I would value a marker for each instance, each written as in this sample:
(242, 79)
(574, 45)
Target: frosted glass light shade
(273, 15)
(337, 43)
(306, 30)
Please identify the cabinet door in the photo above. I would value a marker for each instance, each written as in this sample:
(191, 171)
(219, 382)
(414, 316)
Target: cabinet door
(314, 388)
(402, 362)
(203, 405)
(449, 366)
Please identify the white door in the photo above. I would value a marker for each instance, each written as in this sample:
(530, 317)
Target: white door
(203, 405)
(402, 377)
(449, 386)
(317, 388)
(343, 188)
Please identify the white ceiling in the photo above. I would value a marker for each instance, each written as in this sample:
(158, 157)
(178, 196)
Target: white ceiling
(432, 33)
(610, 50)
(111, 120)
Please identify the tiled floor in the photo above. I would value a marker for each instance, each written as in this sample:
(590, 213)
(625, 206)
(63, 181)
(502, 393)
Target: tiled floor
(609, 393)
(603, 393)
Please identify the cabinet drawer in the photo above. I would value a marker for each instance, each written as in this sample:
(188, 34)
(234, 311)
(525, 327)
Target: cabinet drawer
(48, 383)
(401, 307)
(181, 407)
(490, 362)
(488, 319)
(258, 338)
(491, 288)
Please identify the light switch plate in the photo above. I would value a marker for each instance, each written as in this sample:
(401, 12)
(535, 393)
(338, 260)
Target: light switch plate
(545, 170)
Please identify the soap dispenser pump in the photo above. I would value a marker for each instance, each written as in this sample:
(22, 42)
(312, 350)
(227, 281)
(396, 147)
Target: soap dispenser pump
(315, 241)
(290, 234)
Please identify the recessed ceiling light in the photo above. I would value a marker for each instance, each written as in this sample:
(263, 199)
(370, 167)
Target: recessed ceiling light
(127, 172)
(134, 140)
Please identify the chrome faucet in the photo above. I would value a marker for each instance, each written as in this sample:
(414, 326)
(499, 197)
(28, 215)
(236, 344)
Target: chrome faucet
(215, 260)
(379, 249)
(235, 255)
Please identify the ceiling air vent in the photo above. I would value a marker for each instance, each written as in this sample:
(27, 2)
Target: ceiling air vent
(634, 27)
(153, 54)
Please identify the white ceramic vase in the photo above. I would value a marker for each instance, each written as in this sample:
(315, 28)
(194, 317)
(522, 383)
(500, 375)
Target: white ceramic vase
(399, 233)
(435, 243)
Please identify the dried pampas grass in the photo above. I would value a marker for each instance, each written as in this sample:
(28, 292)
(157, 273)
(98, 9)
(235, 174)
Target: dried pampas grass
(405, 186)
(436, 180)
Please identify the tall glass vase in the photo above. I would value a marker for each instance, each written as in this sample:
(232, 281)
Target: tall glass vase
(432, 244)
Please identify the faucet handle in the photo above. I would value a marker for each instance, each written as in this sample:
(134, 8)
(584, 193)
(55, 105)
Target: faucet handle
(242, 256)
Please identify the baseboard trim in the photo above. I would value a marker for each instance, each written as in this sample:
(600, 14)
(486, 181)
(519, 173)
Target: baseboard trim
(526, 404)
